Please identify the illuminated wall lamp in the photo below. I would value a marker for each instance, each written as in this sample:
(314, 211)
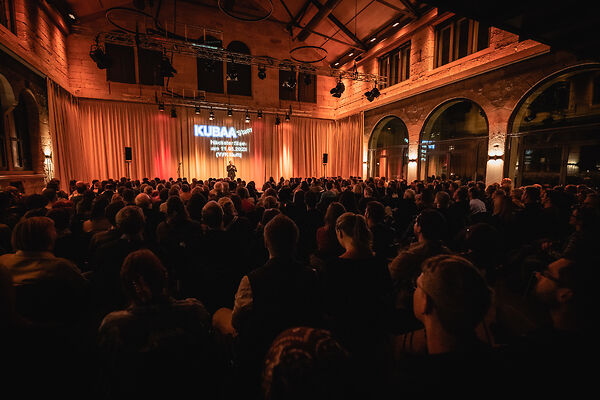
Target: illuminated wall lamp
(495, 157)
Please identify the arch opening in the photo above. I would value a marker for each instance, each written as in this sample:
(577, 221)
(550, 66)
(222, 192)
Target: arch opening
(388, 149)
(453, 142)
(553, 132)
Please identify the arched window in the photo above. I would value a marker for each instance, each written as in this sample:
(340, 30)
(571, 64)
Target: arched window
(26, 121)
(239, 76)
(210, 72)
(454, 141)
(553, 132)
(388, 149)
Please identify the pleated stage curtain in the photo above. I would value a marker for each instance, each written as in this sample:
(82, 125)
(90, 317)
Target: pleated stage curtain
(90, 137)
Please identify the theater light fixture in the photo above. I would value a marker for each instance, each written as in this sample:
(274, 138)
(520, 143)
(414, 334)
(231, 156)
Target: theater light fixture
(372, 94)
(259, 114)
(72, 16)
(262, 73)
(161, 106)
(338, 89)
(288, 115)
(173, 113)
(247, 117)
(395, 24)
(232, 75)
(291, 82)
(229, 112)
(277, 120)
(98, 55)
(211, 115)
(197, 110)
(166, 69)
(373, 39)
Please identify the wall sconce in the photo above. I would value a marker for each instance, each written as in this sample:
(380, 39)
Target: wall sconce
(495, 157)
(412, 160)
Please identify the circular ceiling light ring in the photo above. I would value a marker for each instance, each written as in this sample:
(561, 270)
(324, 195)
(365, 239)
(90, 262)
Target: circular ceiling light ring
(247, 18)
(307, 47)
(111, 10)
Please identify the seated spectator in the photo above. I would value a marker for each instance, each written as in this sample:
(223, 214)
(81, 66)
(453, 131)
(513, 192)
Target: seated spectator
(157, 346)
(49, 289)
(327, 243)
(430, 227)
(98, 221)
(112, 233)
(451, 299)
(384, 236)
(279, 295)
(307, 363)
(358, 283)
(109, 257)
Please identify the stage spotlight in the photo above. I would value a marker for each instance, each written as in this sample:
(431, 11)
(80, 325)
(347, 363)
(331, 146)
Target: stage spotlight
(211, 115)
(277, 120)
(259, 114)
(99, 56)
(247, 117)
(338, 89)
(262, 73)
(72, 17)
(166, 69)
(229, 112)
(197, 110)
(372, 94)
(173, 113)
(287, 117)
(161, 106)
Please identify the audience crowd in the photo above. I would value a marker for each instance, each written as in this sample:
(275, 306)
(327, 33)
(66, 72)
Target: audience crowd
(316, 288)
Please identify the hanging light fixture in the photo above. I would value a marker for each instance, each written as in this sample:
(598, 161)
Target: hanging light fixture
(173, 113)
(247, 117)
(259, 114)
(197, 110)
(262, 72)
(277, 120)
(338, 89)
(161, 106)
(229, 112)
(211, 115)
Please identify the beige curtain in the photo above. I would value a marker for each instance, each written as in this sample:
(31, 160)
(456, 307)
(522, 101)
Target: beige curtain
(90, 137)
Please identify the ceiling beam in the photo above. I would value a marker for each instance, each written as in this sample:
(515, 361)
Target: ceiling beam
(412, 10)
(343, 27)
(319, 16)
(390, 5)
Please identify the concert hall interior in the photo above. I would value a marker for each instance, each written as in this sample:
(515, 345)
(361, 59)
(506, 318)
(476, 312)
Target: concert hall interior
(293, 199)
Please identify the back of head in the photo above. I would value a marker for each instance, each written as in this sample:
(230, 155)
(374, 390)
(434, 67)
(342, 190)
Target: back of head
(130, 220)
(334, 211)
(460, 295)
(433, 225)
(375, 212)
(268, 215)
(143, 201)
(61, 218)
(175, 208)
(212, 215)
(355, 226)
(281, 236)
(34, 234)
(531, 194)
(111, 211)
(311, 199)
(99, 208)
(227, 205)
(128, 196)
(442, 200)
(144, 278)
(307, 363)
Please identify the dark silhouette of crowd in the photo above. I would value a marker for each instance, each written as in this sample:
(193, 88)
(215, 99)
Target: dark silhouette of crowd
(307, 288)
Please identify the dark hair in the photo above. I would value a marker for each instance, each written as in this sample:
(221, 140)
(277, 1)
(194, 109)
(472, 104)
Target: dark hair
(433, 224)
(334, 211)
(144, 278)
(130, 220)
(212, 214)
(99, 208)
(375, 211)
(112, 209)
(34, 234)
(281, 236)
(61, 218)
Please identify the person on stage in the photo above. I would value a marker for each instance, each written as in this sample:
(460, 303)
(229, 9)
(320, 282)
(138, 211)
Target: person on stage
(231, 170)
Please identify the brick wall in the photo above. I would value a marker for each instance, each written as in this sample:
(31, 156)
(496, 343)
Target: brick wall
(262, 38)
